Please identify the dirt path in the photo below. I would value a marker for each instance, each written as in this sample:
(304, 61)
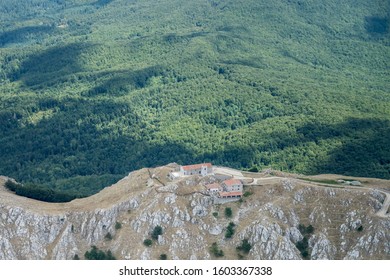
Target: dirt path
(266, 180)
(229, 172)
(383, 212)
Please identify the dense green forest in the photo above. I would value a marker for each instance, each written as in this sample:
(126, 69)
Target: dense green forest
(93, 89)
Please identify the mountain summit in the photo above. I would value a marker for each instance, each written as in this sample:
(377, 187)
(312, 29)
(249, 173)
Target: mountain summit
(147, 216)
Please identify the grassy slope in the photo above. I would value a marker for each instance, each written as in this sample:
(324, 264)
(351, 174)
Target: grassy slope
(98, 88)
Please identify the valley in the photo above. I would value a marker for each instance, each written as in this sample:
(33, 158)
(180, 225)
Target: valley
(90, 90)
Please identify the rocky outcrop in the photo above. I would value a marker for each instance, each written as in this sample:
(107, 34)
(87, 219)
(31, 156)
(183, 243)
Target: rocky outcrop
(344, 221)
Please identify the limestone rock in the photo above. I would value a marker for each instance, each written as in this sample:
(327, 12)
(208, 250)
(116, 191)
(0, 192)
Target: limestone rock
(345, 222)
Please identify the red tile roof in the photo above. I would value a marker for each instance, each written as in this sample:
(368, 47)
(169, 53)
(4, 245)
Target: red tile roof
(232, 182)
(223, 194)
(196, 166)
(213, 186)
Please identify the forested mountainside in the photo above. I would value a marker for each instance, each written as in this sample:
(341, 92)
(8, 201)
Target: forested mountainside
(90, 90)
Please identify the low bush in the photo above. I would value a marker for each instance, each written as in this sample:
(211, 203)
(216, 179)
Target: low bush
(247, 193)
(216, 251)
(303, 245)
(108, 236)
(245, 246)
(306, 230)
(230, 230)
(253, 169)
(156, 232)
(97, 254)
(228, 212)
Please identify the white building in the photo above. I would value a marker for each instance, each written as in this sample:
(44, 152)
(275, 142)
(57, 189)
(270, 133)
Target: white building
(230, 194)
(213, 188)
(232, 185)
(202, 169)
(231, 188)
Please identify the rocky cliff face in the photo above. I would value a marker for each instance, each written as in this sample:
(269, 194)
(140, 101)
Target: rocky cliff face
(122, 216)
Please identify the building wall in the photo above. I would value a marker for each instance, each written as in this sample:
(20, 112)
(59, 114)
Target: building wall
(232, 188)
(192, 172)
(198, 171)
(219, 200)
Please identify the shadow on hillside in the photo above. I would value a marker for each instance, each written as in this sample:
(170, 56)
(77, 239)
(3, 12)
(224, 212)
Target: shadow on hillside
(364, 150)
(24, 34)
(232, 156)
(254, 62)
(175, 38)
(52, 65)
(235, 29)
(102, 3)
(375, 25)
(77, 141)
(122, 82)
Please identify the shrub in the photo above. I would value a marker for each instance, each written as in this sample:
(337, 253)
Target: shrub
(305, 254)
(360, 228)
(303, 245)
(109, 255)
(245, 246)
(76, 257)
(306, 230)
(156, 232)
(230, 230)
(215, 214)
(228, 212)
(309, 229)
(148, 242)
(118, 225)
(108, 236)
(253, 169)
(248, 193)
(215, 250)
(163, 257)
(96, 254)
(11, 185)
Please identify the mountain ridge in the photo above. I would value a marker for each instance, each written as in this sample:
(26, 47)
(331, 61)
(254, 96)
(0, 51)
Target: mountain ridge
(273, 217)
